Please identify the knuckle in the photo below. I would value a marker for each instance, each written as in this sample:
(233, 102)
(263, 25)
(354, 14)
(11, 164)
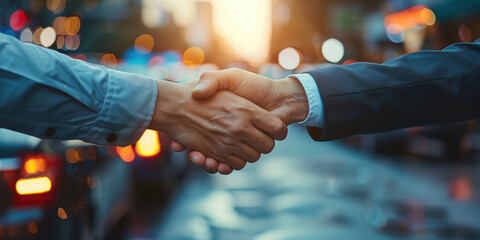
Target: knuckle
(205, 75)
(219, 151)
(237, 128)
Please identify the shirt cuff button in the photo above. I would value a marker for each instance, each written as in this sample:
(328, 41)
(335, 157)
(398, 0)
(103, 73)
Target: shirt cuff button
(50, 132)
(112, 137)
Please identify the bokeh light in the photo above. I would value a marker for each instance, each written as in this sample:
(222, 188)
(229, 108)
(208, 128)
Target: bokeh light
(59, 25)
(36, 35)
(18, 20)
(35, 165)
(333, 50)
(61, 213)
(27, 186)
(126, 153)
(32, 227)
(465, 33)
(48, 37)
(395, 33)
(60, 41)
(428, 16)
(74, 155)
(144, 43)
(193, 56)
(72, 42)
(415, 16)
(26, 35)
(289, 58)
(56, 6)
(72, 25)
(148, 145)
(108, 60)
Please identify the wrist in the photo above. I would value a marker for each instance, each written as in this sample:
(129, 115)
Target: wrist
(294, 99)
(170, 97)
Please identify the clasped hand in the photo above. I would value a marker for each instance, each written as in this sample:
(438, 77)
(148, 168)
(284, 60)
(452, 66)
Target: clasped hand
(224, 130)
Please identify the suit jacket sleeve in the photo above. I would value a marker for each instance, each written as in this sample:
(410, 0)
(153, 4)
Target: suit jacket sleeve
(422, 88)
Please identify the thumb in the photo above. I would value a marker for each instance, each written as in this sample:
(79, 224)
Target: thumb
(206, 87)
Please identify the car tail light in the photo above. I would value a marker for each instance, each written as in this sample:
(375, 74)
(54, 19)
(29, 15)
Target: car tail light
(27, 186)
(148, 145)
(38, 180)
(34, 165)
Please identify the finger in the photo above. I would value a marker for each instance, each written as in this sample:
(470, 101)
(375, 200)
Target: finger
(197, 158)
(246, 152)
(212, 82)
(224, 169)
(235, 162)
(260, 141)
(211, 165)
(270, 124)
(177, 147)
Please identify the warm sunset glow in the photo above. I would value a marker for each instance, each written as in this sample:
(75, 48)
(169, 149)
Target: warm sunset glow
(245, 26)
(149, 144)
(33, 185)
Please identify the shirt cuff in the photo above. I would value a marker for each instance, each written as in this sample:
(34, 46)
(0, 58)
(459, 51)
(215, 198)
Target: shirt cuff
(315, 105)
(127, 109)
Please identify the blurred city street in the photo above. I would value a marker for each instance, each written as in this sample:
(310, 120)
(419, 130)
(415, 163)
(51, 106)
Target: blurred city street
(309, 190)
(86, 151)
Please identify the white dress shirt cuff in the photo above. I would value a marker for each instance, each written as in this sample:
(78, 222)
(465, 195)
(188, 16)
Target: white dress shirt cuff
(315, 105)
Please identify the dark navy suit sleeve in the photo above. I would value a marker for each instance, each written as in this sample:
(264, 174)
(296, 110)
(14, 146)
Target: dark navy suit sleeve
(416, 89)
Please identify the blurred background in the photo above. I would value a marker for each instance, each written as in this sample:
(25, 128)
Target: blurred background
(417, 183)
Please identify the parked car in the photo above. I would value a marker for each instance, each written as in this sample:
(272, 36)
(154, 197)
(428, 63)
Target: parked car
(73, 190)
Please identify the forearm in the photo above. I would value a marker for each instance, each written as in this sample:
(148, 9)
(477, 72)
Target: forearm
(50, 95)
(423, 88)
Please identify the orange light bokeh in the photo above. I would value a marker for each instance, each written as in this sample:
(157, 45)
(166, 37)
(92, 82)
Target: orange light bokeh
(149, 144)
(144, 43)
(109, 60)
(126, 153)
(193, 56)
(410, 17)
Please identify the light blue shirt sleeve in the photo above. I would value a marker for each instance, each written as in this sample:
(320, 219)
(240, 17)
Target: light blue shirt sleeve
(50, 95)
(315, 105)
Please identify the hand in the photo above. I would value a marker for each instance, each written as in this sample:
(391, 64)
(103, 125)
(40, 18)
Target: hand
(285, 98)
(226, 127)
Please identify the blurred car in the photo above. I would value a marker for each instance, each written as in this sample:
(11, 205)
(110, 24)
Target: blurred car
(73, 190)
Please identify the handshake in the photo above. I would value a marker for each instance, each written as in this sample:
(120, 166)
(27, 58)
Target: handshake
(229, 118)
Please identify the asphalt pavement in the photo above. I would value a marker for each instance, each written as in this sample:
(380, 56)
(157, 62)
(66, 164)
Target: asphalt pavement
(308, 190)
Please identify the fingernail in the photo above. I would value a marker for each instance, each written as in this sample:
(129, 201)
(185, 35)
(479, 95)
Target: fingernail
(199, 87)
(194, 159)
(211, 171)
